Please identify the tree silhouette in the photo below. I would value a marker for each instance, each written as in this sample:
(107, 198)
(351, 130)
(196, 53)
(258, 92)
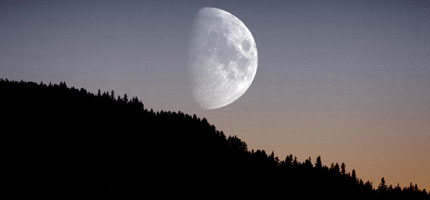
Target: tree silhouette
(62, 142)
(382, 186)
(343, 170)
(353, 175)
(318, 163)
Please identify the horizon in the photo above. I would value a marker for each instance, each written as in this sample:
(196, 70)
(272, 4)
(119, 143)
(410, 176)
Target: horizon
(148, 109)
(131, 100)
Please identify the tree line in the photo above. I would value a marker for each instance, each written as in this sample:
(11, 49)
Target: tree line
(68, 142)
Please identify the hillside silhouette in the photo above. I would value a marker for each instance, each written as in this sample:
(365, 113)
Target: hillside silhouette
(66, 142)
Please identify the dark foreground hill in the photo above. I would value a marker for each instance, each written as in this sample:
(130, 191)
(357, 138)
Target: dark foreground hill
(63, 142)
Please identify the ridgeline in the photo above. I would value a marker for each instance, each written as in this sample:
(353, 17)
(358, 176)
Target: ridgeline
(65, 142)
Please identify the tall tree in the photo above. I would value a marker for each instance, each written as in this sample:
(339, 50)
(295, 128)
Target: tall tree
(382, 186)
(318, 163)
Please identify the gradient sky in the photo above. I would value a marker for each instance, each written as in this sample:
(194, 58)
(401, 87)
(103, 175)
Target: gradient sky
(347, 80)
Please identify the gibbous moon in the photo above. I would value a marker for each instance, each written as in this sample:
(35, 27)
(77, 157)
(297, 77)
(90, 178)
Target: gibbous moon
(223, 58)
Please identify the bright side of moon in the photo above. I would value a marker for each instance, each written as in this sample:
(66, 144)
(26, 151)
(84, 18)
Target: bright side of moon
(223, 58)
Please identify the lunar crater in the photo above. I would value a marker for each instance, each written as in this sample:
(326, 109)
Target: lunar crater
(223, 58)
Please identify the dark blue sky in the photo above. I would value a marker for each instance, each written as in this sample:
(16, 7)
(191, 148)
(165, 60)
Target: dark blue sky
(347, 80)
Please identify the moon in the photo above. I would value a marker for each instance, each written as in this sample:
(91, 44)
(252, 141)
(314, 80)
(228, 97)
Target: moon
(223, 58)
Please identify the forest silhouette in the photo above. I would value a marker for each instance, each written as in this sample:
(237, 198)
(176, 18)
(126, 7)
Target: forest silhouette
(66, 142)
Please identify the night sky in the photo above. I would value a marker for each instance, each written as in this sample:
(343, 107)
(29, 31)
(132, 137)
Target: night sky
(347, 80)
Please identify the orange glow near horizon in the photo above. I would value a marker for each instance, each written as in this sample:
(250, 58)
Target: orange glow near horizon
(390, 145)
